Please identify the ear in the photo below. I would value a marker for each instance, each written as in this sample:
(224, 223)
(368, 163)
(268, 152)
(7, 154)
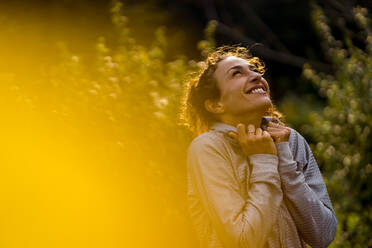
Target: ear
(215, 107)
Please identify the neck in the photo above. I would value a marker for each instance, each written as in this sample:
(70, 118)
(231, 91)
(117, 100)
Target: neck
(251, 118)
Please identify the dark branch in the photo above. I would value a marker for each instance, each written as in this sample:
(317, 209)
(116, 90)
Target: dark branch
(346, 11)
(264, 29)
(268, 53)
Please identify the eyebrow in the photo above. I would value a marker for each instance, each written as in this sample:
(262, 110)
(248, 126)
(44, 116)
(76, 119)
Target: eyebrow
(234, 67)
(239, 67)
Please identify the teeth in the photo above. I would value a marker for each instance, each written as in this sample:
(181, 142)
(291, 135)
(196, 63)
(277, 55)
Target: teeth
(259, 90)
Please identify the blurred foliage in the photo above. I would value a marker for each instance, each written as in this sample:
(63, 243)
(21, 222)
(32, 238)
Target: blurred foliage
(342, 131)
(118, 113)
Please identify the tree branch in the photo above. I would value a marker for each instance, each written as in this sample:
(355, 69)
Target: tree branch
(264, 29)
(268, 53)
(346, 11)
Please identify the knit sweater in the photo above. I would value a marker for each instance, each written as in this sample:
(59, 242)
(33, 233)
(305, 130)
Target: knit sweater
(260, 201)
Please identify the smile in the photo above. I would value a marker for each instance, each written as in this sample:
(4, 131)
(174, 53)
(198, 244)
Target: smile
(258, 89)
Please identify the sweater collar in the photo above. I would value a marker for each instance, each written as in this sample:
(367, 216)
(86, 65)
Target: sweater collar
(223, 127)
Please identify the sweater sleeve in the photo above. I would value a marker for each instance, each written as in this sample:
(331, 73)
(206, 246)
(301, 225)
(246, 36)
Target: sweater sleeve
(239, 222)
(306, 195)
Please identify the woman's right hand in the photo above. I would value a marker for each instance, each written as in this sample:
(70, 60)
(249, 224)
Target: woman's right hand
(254, 141)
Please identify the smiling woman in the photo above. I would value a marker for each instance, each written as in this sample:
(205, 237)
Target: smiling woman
(242, 90)
(205, 87)
(249, 187)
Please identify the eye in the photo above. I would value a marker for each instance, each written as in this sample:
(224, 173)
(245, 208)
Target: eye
(237, 72)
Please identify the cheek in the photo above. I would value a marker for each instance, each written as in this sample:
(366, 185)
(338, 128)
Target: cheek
(267, 87)
(229, 92)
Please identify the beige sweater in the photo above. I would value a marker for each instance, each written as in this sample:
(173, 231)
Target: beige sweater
(263, 201)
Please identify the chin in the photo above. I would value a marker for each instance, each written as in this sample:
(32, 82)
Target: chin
(267, 104)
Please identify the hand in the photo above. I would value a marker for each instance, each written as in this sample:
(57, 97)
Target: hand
(254, 141)
(278, 131)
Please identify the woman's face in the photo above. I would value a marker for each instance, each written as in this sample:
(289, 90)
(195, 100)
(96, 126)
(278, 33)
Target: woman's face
(243, 89)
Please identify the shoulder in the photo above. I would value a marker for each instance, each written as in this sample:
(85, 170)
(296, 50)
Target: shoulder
(299, 146)
(208, 142)
(296, 140)
(295, 136)
(208, 138)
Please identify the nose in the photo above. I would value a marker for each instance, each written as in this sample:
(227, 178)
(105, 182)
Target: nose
(256, 78)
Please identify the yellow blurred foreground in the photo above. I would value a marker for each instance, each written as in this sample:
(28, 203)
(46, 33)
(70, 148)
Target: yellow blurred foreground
(56, 191)
(90, 151)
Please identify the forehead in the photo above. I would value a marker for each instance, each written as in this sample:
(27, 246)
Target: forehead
(230, 62)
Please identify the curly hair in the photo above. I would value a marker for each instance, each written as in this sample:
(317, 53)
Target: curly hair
(203, 86)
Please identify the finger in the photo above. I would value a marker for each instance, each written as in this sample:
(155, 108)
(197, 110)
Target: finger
(271, 124)
(241, 131)
(276, 119)
(281, 123)
(274, 125)
(281, 130)
(274, 129)
(273, 133)
(276, 136)
(266, 135)
(233, 135)
(251, 130)
(258, 132)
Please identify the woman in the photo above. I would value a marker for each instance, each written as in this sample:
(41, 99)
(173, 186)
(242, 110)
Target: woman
(249, 187)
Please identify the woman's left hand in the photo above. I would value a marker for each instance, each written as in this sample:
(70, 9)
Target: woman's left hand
(278, 131)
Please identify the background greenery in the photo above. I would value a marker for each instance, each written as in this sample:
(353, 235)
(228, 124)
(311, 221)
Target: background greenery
(92, 152)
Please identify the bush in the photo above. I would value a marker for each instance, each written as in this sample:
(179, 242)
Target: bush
(342, 131)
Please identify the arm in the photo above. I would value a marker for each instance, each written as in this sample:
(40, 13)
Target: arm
(306, 195)
(239, 222)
